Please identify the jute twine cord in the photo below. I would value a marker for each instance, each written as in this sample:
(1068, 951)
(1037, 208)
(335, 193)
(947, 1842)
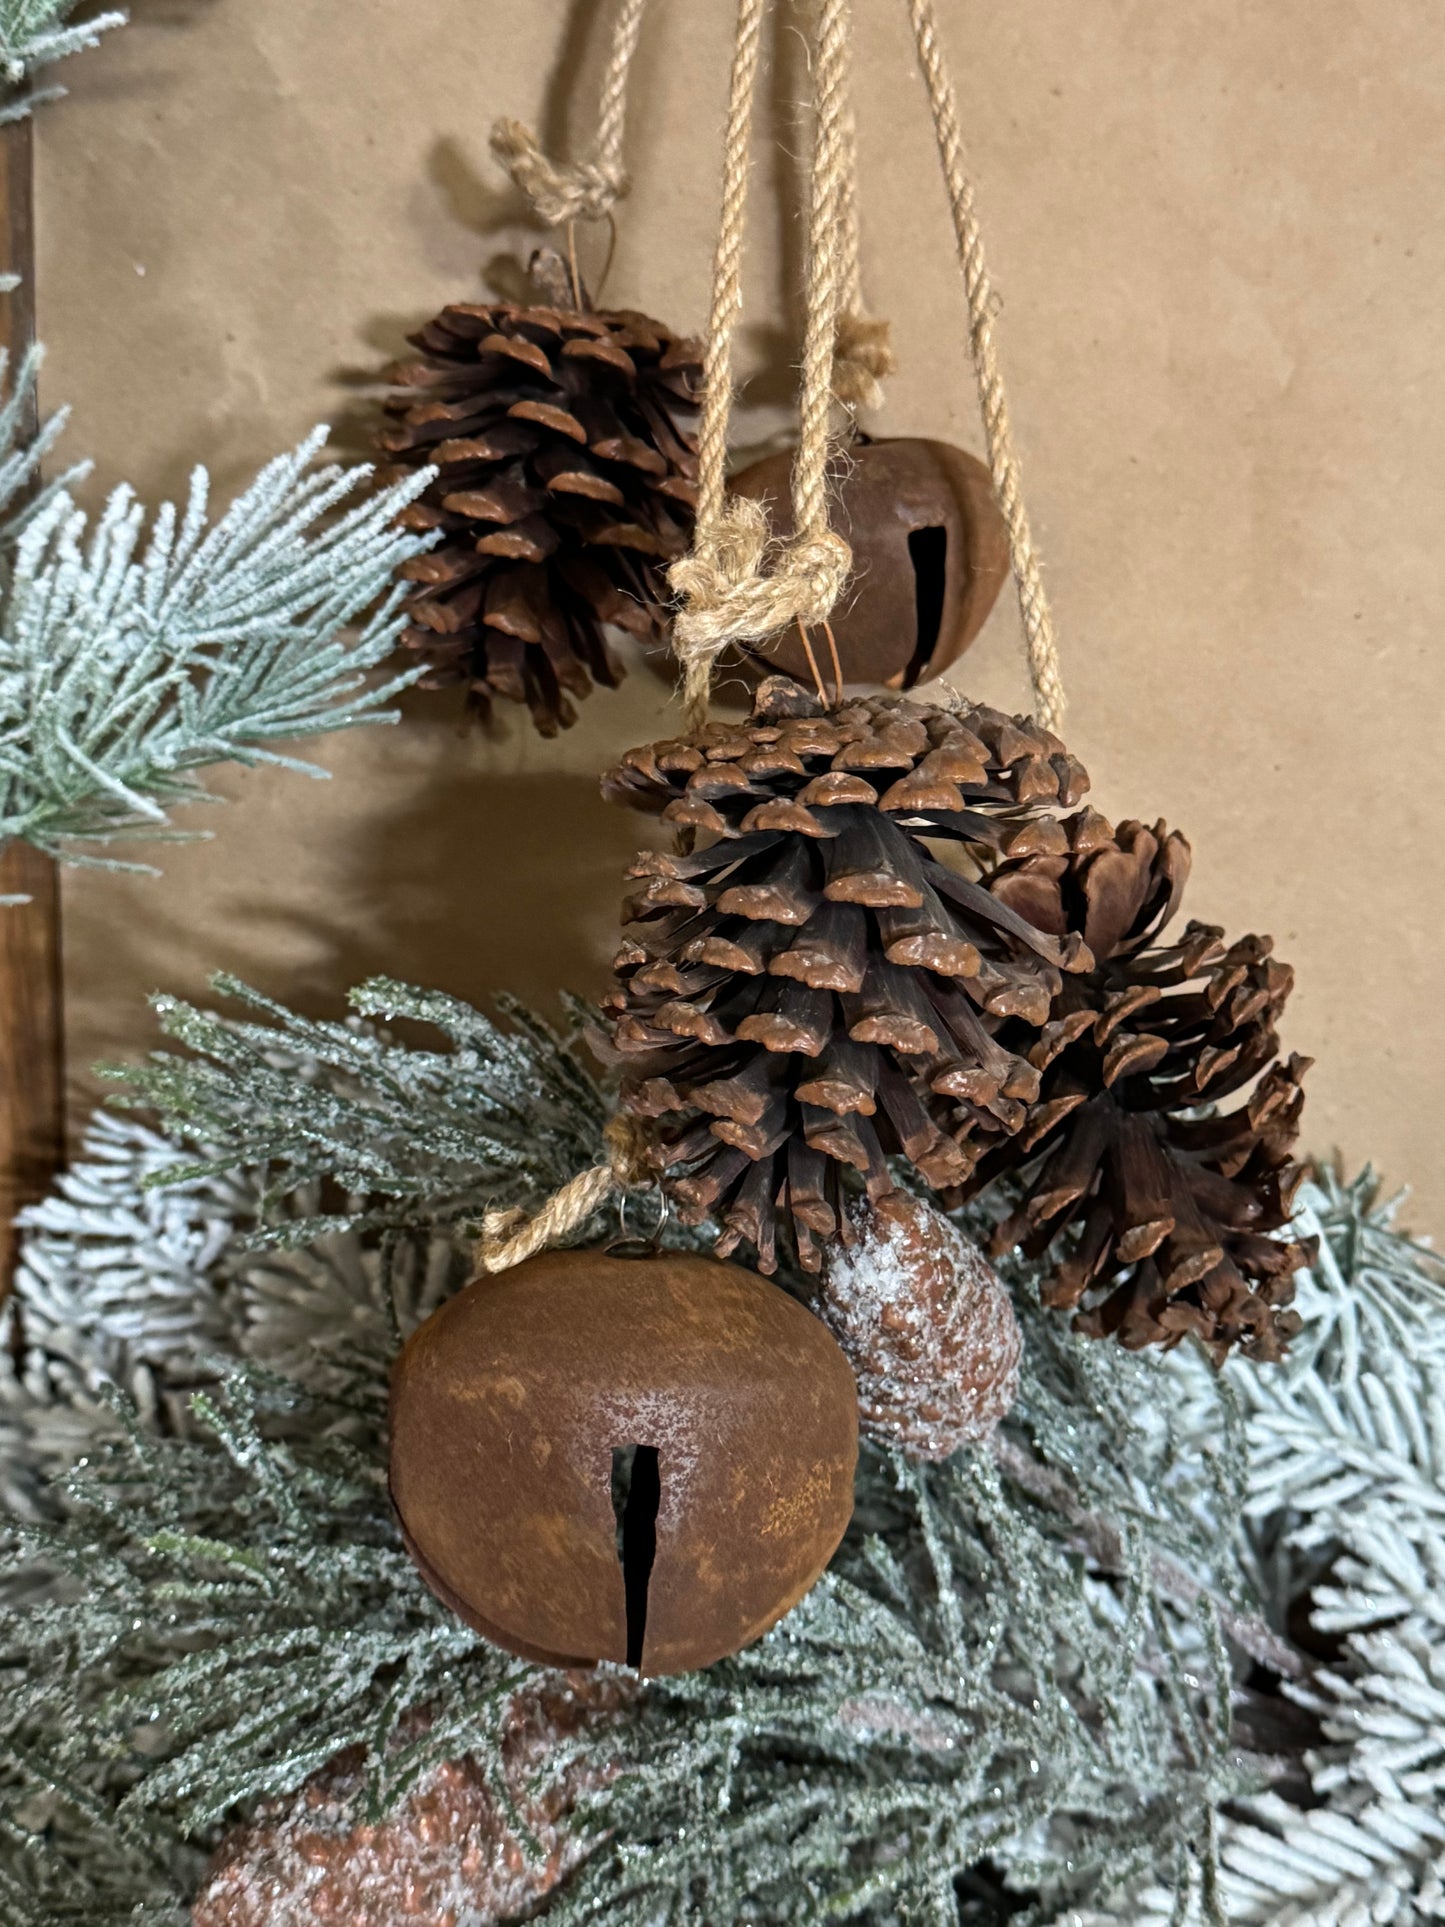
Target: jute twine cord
(738, 585)
(585, 190)
(508, 1237)
(862, 345)
(1039, 639)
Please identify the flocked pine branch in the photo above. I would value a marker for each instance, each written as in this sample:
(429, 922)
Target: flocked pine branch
(1346, 1520)
(1058, 1602)
(233, 1610)
(130, 660)
(907, 1687)
(505, 1113)
(34, 34)
(21, 454)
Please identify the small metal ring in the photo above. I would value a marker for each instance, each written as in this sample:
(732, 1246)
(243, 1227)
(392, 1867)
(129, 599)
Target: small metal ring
(630, 1245)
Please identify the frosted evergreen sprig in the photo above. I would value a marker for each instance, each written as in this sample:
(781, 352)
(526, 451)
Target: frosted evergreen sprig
(21, 456)
(130, 660)
(234, 1609)
(33, 36)
(504, 1115)
(1346, 1511)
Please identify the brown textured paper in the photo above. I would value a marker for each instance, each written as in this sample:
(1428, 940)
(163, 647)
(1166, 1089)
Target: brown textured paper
(1218, 232)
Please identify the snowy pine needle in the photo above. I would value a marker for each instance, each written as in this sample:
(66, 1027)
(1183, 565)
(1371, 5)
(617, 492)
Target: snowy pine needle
(507, 1113)
(1346, 1510)
(132, 659)
(33, 35)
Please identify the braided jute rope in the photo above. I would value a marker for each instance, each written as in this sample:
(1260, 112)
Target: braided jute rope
(739, 585)
(588, 189)
(1039, 638)
(510, 1236)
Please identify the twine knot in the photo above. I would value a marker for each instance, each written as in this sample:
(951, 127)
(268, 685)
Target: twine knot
(862, 356)
(510, 1236)
(630, 1150)
(738, 585)
(584, 190)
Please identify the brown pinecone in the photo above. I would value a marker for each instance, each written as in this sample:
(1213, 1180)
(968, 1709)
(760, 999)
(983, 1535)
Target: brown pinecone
(813, 991)
(567, 486)
(450, 1852)
(1171, 1199)
(927, 1327)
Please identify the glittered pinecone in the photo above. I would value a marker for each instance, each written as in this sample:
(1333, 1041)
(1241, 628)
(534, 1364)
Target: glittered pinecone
(567, 486)
(814, 990)
(1168, 1201)
(451, 1851)
(927, 1327)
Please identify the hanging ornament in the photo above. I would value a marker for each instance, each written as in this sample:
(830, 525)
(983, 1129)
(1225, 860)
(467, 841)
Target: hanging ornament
(567, 485)
(1159, 1205)
(930, 554)
(927, 1327)
(812, 992)
(641, 1460)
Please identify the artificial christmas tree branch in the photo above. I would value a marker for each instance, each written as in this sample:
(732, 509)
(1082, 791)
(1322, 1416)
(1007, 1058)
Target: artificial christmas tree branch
(33, 36)
(32, 1029)
(1031, 1625)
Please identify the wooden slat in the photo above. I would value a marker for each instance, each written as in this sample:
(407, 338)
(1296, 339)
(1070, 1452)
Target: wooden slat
(32, 1047)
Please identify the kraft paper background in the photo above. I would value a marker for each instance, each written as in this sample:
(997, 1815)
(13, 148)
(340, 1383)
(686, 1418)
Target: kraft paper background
(1217, 229)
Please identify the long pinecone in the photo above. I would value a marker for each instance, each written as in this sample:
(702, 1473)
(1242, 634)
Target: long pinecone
(814, 990)
(1173, 1201)
(567, 486)
(452, 1850)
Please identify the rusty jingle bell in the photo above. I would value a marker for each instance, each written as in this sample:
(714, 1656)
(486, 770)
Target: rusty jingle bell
(642, 1460)
(930, 554)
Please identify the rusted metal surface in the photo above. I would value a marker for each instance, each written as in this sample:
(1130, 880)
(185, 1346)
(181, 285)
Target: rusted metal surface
(510, 1404)
(930, 554)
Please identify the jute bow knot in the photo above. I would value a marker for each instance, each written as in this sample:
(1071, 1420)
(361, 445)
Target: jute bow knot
(738, 586)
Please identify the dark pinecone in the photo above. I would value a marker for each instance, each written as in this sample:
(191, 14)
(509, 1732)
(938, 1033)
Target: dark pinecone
(567, 486)
(814, 990)
(1172, 1203)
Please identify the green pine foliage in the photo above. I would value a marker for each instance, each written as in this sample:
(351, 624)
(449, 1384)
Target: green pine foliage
(1047, 1681)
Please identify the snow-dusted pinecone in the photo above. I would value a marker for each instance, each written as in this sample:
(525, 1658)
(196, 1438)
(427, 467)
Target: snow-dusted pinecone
(450, 1852)
(927, 1327)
